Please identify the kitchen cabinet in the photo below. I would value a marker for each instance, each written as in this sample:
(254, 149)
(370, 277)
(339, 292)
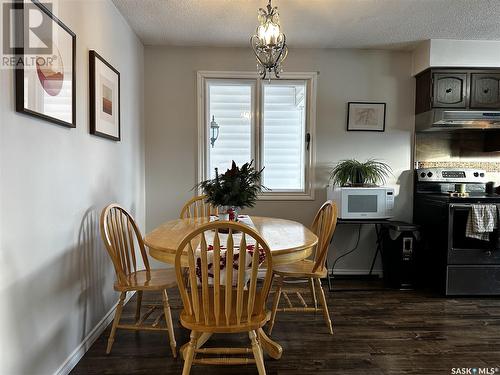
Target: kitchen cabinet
(485, 90)
(449, 90)
(457, 88)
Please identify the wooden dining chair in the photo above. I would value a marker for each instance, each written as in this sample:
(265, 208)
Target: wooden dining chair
(218, 306)
(311, 270)
(197, 207)
(121, 235)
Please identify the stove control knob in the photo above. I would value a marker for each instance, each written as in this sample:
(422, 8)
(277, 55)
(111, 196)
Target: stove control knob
(422, 174)
(429, 174)
(476, 174)
(481, 174)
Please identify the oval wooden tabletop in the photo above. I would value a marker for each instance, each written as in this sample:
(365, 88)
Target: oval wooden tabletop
(288, 240)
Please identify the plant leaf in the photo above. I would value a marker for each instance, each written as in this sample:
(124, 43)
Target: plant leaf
(352, 172)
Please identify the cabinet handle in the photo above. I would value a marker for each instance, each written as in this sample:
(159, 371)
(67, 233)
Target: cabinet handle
(486, 91)
(488, 253)
(449, 90)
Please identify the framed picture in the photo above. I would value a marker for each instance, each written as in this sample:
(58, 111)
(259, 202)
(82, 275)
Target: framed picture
(365, 116)
(104, 99)
(45, 76)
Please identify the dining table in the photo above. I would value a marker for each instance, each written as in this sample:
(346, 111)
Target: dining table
(289, 241)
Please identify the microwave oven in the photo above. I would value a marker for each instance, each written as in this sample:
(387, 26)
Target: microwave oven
(362, 202)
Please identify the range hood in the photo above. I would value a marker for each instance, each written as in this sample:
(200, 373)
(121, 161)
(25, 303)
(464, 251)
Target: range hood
(450, 120)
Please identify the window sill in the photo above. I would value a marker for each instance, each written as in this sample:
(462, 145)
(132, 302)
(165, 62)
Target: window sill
(287, 197)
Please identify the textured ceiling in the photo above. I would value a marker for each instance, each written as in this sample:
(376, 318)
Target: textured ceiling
(313, 23)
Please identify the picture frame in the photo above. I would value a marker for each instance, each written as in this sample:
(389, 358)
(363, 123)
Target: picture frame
(366, 116)
(104, 98)
(45, 80)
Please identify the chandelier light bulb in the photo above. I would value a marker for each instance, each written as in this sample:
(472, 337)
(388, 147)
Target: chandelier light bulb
(268, 33)
(269, 43)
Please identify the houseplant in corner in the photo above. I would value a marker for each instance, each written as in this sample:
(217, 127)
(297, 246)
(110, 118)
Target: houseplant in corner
(233, 190)
(354, 173)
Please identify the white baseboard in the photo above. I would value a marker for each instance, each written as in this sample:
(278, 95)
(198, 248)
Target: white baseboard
(87, 342)
(350, 271)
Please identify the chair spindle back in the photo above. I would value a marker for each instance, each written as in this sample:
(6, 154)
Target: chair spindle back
(215, 304)
(323, 226)
(119, 232)
(198, 207)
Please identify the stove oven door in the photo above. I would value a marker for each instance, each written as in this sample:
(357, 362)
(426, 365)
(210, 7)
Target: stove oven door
(473, 265)
(465, 250)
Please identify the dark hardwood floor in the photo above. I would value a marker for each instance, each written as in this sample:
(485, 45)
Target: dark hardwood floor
(375, 332)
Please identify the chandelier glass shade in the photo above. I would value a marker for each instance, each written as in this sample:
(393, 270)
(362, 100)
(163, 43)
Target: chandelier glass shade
(269, 43)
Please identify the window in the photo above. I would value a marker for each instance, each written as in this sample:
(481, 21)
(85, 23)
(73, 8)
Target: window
(284, 135)
(270, 122)
(230, 104)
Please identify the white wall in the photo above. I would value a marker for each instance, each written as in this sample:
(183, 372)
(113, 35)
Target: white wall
(56, 279)
(421, 57)
(456, 53)
(345, 75)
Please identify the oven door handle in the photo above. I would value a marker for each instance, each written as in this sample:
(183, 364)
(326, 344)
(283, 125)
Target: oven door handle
(460, 205)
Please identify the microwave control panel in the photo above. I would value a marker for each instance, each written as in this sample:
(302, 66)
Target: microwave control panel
(389, 200)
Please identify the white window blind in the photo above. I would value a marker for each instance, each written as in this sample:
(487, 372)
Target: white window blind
(230, 105)
(284, 135)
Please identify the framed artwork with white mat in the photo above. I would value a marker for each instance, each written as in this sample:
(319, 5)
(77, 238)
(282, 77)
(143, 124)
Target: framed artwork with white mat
(45, 71)
(104, 100)
(366, 116)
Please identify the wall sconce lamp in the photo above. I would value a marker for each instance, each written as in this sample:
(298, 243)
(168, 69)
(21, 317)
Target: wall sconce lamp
(214, 131)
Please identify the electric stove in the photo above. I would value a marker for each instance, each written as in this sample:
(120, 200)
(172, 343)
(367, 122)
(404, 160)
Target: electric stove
(449, 260)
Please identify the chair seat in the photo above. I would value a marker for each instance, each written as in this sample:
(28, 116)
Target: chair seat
(258, 319)
(302, 268)
(152, 280)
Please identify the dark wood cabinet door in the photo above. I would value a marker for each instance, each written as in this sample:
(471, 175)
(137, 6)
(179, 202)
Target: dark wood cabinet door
(449, 90)
(485, 90)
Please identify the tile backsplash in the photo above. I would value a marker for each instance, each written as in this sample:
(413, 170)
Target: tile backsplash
(488, 166)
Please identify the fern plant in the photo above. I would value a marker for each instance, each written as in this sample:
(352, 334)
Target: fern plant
(352, 172)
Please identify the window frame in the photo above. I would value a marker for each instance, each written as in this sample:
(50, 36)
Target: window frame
(204, 77)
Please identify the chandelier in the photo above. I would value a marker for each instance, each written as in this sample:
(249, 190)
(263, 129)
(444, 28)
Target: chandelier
(269, 43)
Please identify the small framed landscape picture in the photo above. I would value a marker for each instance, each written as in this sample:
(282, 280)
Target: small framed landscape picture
(104, 101)
(365, 116)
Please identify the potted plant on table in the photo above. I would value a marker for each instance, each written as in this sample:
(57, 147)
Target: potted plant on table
(354, 173)
(233, 190)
